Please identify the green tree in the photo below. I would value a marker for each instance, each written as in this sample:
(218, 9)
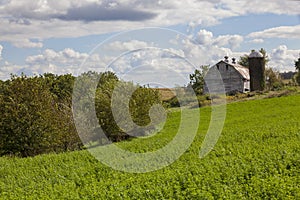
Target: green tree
(266, 57)
(36, 112)
(111, 123)
(33, 120)
(245, 62)
(60, 85)
(141, 99)
(197, 79)
(297, 78)
(273, 79)
(297, 66)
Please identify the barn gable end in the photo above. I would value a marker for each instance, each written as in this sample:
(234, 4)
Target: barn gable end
(235, 77)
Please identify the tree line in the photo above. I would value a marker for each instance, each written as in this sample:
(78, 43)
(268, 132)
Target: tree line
(36, 112)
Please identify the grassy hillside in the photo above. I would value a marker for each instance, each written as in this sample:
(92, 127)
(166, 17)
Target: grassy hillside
(257, 156)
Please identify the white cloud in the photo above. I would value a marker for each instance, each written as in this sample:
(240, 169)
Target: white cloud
(26, 43)
(153, 60)
(204, 37)
(289, 7)
(257, 41)
(175, 52)
(126, 46)
(208, 49)
(70, 61)
(1, 48)
(283, 58)
(278, 32)
(65, 61)
(7, 68)
(162, 64)
(39, 20)
(154, 65)
(233, 41)
(66, 56)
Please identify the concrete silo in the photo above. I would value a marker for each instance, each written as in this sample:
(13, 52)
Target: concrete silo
(257, 71)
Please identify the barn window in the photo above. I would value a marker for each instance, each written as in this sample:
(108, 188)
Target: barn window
(226, 67)
(218, 67)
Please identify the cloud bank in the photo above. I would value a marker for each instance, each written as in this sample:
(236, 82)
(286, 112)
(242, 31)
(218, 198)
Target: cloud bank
(25, 24)
(96, 12)
(282, 58)
(1, 48)
(286, 32)
(26, 20)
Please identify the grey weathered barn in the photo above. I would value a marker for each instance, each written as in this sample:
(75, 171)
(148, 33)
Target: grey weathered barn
(235, 77)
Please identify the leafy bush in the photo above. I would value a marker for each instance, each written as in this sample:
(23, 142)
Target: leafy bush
(129, 117)
(36, 112)
(131, 111)
(274, 81)
(32, 121)
(297, 78)
(173, 102)
(197, 79)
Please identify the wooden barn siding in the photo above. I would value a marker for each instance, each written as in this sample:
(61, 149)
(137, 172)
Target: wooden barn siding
(231, 78)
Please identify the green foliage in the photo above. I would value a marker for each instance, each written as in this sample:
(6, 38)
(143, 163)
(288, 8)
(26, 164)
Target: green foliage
(266, 57)
(297, 66)
(132, 104)
(138, 100)
(173, 102)
(257, 157)
(32, 121)
(297, 78)
(104, 113)
(140, 104)
(61, 86)
(245, 62)
(273, 79)
(197, 79)
(36, 115)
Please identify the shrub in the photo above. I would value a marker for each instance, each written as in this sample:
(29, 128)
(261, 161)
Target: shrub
(297, 78)
(31, 119)
(131, 113)
(36, 112)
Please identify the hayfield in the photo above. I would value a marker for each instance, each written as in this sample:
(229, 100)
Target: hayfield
(256, 157)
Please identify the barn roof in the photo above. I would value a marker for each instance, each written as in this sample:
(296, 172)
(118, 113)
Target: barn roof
(244, 71)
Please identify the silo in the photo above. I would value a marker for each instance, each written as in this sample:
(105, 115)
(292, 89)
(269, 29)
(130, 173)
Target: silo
(257, 71)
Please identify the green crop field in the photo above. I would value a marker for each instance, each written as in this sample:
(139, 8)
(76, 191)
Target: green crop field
(256, 157)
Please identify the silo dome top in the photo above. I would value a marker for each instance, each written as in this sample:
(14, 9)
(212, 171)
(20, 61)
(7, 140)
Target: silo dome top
(256, 54)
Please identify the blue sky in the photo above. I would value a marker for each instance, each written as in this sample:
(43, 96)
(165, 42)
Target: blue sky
(58, 37)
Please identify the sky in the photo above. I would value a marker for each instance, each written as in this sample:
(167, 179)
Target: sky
(157, 41)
